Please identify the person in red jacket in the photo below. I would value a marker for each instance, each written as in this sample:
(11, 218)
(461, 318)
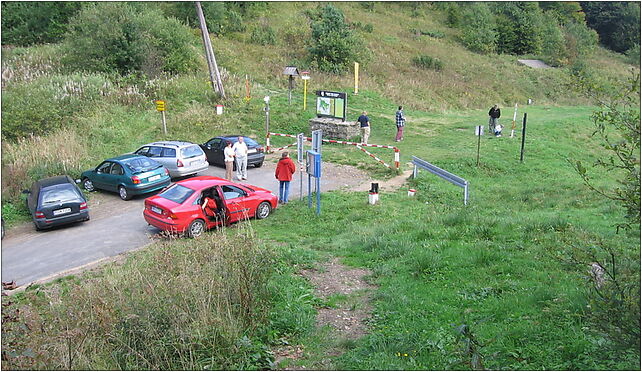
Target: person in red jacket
(284, 171)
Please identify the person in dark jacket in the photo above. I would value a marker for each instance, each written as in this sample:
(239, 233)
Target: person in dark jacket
(284, 171)
(494, 115)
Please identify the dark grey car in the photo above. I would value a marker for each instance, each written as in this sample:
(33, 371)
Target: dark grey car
(56, 201)
(214, 150)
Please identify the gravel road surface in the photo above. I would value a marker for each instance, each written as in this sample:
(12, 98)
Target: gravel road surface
(117, 226)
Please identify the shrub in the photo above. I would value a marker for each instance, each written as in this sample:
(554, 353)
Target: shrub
(435, 34)
(553, 42)
(580, 40)
(333, 46)
(478, 30)
(428, 62)
(28, 23)
(617, 23)
(115, 37)
(519, 28)
(263, 35)
(633, 55)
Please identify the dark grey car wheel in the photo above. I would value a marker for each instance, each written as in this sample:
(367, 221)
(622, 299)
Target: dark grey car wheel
(88, 185)
(263, 210)
(123, 193)
(196, 228)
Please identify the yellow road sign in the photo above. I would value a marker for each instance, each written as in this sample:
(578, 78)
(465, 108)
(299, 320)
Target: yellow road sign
(160, 105)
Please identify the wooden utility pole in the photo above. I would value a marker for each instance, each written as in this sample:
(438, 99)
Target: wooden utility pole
(215, 76)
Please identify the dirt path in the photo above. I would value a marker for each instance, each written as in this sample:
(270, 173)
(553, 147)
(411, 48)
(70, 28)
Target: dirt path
(347, 294)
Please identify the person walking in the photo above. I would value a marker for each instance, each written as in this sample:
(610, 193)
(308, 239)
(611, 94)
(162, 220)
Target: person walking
(400, 119)
(364, 123)
(494, 115)
(284, 170)
(240, 154)
(228, 153)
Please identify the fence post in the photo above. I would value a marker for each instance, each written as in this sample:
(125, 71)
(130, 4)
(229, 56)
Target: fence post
(466, 193)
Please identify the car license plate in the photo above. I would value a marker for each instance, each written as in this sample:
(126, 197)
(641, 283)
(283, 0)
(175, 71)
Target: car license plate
(157, 210)
(154, 178)
(58, 212)
(251, 151)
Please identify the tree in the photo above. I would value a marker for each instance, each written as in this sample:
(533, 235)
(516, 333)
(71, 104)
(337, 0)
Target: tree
(334, 45)
(478, 28)
(519, 27)
(116, 37)
(28, 23)
(617, 23)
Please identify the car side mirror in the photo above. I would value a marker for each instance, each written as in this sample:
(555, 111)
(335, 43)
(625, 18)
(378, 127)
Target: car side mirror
(26, 192)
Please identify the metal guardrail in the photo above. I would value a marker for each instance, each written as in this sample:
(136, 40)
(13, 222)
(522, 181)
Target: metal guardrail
(454, 179)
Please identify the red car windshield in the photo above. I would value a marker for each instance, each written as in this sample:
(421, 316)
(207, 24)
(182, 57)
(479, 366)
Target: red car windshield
(177, 193)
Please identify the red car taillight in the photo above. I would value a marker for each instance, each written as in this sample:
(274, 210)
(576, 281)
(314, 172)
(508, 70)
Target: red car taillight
(39, 215)
(135, 180)
(179, 163)
(259, 149)
(83, 206)
(166, 172)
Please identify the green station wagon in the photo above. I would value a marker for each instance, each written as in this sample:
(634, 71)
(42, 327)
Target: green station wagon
(128, 175)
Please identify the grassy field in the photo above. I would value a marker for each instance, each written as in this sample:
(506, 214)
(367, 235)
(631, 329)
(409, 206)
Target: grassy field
(499, 265)
(496, 266)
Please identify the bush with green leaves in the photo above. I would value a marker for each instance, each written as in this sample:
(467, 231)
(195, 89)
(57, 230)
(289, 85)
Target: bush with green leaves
(219, 16)
(579, 40)
(553, 42)
(263, 35)
(519, 28)
(28, 23)
(117, 37)
(633, 55)
(478, 30)
(334, 46)
(428, 63)
(617, 23)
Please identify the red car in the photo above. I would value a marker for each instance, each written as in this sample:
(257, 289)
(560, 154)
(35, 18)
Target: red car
(180, 208)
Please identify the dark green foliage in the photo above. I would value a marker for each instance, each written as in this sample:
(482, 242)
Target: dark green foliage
(478, 28)
(427, 62)
(519, 28)
(633, 55)
(580, 40)
(28, 23)
(617, 23)
(263, 35)
(564, 11)
(368, 5)
(368, 27)
(334, 46)
(116, 37)
(553, 42)
(219, 16)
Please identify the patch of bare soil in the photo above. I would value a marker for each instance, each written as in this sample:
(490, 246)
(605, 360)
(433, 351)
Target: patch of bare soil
(347, 319)
(392, 184)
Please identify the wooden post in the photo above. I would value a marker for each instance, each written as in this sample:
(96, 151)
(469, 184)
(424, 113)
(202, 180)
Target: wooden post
(521, 155)
(215, 76)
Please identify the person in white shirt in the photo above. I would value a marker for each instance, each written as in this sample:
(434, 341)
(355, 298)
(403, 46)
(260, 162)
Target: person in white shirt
(229, 160)
(240, 154)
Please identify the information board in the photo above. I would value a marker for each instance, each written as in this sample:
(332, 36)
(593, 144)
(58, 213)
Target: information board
(332, 104)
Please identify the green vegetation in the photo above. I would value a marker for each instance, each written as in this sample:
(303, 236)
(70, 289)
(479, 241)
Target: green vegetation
(428, 62)
(501, 283)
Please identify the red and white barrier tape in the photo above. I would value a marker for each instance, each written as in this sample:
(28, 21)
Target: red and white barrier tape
(358, 145)
(284, 147)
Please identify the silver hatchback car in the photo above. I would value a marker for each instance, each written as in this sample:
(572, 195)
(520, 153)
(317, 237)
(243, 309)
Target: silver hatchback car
(179, 157)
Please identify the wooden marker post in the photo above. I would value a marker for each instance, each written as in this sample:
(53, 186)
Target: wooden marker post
(479, 132)
(512, 130)
(160, 106)
(521, 155)
(356, 78)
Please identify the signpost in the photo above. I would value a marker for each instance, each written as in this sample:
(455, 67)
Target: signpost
(479, 132)
(305, 76)
(313, 168)
(332, 104)
(266, 99)
(299, 157)
(160, 106)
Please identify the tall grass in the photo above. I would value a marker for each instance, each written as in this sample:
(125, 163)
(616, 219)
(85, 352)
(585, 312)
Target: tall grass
(177, 305)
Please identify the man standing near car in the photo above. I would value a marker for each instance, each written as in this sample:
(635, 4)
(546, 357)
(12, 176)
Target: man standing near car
(364, 123)
(240, 154)
(228, 153)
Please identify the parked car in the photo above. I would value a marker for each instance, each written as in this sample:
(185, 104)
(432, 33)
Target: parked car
(178, 209)
(56, 201)
(179, 157)
(214, 150)
(128, 175)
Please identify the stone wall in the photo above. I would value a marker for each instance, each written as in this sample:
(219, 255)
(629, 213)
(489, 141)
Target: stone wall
(335, 128)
